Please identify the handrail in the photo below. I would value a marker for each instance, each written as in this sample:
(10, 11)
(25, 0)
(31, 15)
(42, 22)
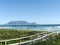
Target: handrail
(34, 39)
(21, 37)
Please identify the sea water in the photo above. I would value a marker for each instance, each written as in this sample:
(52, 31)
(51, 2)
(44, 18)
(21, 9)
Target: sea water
(37, 28)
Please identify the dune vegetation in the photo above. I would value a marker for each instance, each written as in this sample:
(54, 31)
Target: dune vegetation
(13, 33)
(53, 40)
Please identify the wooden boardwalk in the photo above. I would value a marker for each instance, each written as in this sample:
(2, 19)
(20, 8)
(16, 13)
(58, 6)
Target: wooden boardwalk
(38, 37)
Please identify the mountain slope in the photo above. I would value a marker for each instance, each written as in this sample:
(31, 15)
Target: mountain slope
(19, 23)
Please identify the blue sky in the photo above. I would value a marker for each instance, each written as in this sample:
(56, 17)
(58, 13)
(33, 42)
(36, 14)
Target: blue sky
(39, 11)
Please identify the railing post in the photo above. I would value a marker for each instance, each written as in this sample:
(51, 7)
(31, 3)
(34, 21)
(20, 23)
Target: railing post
(5, 42)
(38, 35)
(20, 41)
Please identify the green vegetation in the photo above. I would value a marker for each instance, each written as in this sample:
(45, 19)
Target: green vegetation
(53, 40)
(12, 33)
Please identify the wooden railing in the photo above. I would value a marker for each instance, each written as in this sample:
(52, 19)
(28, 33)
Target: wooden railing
(37, 37)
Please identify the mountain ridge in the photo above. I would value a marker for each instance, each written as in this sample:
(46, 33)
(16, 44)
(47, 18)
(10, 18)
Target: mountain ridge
(19, 23)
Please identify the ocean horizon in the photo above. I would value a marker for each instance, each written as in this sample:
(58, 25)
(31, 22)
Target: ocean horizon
(32, 27)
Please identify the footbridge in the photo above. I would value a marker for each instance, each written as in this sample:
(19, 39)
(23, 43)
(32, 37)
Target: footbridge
(29, 39)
